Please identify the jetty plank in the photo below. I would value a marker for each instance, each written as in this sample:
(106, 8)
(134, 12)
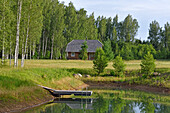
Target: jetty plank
(58, 93)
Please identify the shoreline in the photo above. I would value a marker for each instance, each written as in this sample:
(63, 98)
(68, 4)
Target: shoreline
(21, 107)
(125, 86)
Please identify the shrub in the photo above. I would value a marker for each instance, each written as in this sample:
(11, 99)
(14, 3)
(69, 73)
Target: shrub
(100, 61)
(148, 64)
(119, 66)
(112, 73)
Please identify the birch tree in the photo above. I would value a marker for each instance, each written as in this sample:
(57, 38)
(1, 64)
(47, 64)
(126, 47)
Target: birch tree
(18, 32)
(4, 27)
(57, 28)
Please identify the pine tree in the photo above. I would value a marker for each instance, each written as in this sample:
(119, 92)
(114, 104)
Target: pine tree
(100, 62)
(119, 66)
(83, 51)
(148, 64)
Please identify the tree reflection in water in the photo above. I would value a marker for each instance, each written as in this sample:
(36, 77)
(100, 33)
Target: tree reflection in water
(106, 103)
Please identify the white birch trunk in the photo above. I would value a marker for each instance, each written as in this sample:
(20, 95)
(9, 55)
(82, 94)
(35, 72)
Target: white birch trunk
(27, 53)
(26, 41)
(33, 52)
(45, 46)
(17, 35)
(22, 60)
(3, 40)
(39, 49)
(52, 47)
(30, 50)
(3, 52)
(10, 51)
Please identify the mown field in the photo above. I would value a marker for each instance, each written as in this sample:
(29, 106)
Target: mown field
(130, 65)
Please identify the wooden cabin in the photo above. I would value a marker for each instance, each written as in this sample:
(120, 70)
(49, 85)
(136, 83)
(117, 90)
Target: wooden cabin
(73, 48)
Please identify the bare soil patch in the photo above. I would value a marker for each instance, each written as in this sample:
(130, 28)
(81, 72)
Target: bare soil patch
(114, 85)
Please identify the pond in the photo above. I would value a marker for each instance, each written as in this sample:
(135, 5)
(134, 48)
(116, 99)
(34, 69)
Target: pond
(108, 101)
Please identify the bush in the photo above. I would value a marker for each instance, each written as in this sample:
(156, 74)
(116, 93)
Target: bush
(112, 73)
(119, 66)
(148, 64)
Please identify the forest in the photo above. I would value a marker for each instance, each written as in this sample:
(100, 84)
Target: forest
(41, 29)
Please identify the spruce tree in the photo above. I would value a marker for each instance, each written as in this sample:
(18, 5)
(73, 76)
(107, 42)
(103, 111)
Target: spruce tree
(148, 64)
(119, 66)
(83, 51)
(100, 62)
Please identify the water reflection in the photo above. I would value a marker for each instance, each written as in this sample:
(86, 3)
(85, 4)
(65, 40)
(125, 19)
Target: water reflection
(108, 103)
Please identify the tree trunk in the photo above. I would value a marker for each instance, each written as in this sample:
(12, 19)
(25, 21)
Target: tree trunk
(45, 46)
(18, 30)
(10, 52)
(30, 51)
(22, 60)
(27, 53)
(3, 41)
(33, 52)
(3, 52)
(39, 49)
(52, 47)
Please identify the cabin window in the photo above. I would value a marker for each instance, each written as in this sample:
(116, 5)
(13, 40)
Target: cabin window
(72, 54)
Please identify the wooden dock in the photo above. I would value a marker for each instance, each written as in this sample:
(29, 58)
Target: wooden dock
(58, 93)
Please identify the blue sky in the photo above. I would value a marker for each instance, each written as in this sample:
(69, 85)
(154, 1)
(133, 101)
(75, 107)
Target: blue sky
(145, 11)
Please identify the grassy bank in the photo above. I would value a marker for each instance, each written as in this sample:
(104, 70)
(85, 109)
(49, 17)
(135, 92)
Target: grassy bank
(18, 87)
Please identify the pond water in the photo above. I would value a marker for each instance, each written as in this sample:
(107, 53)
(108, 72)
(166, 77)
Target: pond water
(108, 101)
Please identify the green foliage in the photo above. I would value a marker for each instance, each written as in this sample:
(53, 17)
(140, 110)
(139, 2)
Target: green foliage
(83, 51)
(148, 64)
(100, 61)
(126, 52)
(154, 32)
(108, 50)
(112, 73)
(119, 66)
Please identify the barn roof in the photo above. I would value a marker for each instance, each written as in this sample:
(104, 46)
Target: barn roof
(75, 45)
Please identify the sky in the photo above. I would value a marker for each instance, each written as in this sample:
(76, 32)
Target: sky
(145, 11)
